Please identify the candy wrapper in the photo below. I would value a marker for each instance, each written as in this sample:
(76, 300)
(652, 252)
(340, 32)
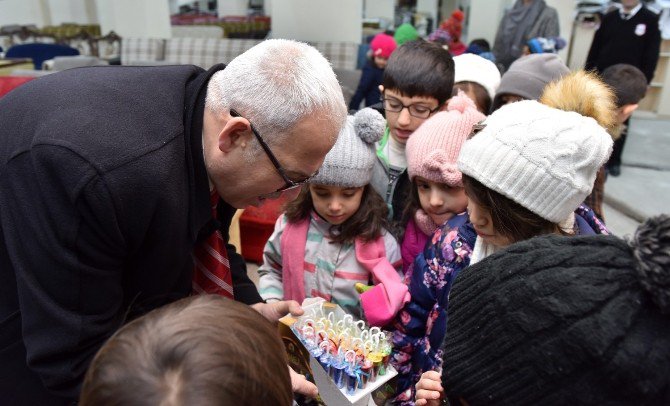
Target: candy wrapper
(347, 360)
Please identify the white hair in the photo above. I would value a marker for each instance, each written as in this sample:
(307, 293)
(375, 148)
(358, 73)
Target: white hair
(275, 85)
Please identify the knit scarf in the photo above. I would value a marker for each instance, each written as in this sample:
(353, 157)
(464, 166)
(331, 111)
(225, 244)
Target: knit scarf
(424, 222)
(380, 304)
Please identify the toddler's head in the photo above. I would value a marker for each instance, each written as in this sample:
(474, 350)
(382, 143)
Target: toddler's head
(478, 77)
(381, 48)
(527, 77)
(340, 193)
(431, 162)
(200, 350)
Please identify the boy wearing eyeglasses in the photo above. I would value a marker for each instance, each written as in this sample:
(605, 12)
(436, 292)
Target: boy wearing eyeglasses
(417, 83)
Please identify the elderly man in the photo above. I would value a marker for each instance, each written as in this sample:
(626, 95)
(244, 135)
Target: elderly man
(107, 179)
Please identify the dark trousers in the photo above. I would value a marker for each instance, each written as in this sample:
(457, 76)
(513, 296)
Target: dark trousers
(617, 149)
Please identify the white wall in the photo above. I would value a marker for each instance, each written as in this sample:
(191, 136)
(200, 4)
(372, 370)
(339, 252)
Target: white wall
(232, 7)
(317, 20)
(484, 18)
(24, 12)
(428, 7)
(566, 15)
(73, 11)
(379, 9)
(133, 18)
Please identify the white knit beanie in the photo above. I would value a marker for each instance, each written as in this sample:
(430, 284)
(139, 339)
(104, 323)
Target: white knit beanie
(349, 163)
(542, 158)
(474, 68)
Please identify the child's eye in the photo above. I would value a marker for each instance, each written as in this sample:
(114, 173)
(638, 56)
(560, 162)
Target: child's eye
(421, 109)
(348, 195)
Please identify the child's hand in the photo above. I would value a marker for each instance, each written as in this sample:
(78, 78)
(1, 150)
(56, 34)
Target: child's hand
(362, 288)
(429, 389)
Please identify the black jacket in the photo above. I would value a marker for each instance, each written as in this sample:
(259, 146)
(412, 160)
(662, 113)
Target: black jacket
(635, 41)
(103, 193)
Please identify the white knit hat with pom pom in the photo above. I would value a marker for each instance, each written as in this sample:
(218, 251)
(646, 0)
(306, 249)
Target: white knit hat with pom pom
(349, 163)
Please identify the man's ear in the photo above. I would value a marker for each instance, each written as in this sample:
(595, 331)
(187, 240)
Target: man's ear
(234, 133)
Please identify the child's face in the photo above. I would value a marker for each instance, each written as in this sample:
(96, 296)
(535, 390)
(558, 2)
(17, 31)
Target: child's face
(381, 62)
(402, 124)
(440, 201)
(483, 223)
(336, 204)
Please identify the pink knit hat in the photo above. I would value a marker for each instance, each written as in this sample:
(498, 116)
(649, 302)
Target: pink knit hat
(382, 45)
(433, 149)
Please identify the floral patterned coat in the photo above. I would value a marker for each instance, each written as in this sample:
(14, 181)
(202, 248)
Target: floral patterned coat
(420, 327)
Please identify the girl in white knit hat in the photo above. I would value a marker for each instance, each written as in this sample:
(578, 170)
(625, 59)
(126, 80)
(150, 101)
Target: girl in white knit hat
(333, 235)
(526, 172)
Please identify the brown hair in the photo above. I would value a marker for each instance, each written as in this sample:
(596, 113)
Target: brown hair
(202, 350)
(420, 68)
(509, 218)
(367, 223)
(482, 98)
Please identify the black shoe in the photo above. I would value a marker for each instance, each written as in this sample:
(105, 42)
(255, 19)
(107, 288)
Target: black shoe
(615, 170)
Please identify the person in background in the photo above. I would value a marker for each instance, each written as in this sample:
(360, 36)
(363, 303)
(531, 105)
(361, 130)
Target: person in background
(200, 350)
(478, 77)
(417, 83)
(481, 47)
(629, 35)
(525, 20)
(630, 87)
(118, 192)
(542, 45)
(333, 235)
(381, 48)
(527, 78)
(561, 321)
(526, 171)
(454, 26)
(405, 33)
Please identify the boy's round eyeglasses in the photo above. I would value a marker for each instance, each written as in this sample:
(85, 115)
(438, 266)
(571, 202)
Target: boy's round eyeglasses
(415, 110)
(290, 184)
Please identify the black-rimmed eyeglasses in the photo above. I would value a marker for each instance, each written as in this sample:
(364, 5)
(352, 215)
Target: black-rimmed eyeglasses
(415, 110)
(290, 184)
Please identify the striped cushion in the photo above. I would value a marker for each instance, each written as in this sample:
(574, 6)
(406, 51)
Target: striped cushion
(205, 52)
(141, 49)
(342, 55)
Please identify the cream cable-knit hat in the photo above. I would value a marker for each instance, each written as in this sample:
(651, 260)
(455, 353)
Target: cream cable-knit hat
(542, 158)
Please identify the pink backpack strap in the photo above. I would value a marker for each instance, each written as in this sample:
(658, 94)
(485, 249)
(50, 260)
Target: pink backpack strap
(292, 246)
(381, 303)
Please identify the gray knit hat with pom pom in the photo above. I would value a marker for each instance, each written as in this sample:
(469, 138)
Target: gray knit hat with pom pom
(349, 163)
(564, 321)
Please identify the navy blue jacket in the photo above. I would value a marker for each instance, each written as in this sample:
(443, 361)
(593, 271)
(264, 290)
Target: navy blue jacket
(103, 193)
(368, 87)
